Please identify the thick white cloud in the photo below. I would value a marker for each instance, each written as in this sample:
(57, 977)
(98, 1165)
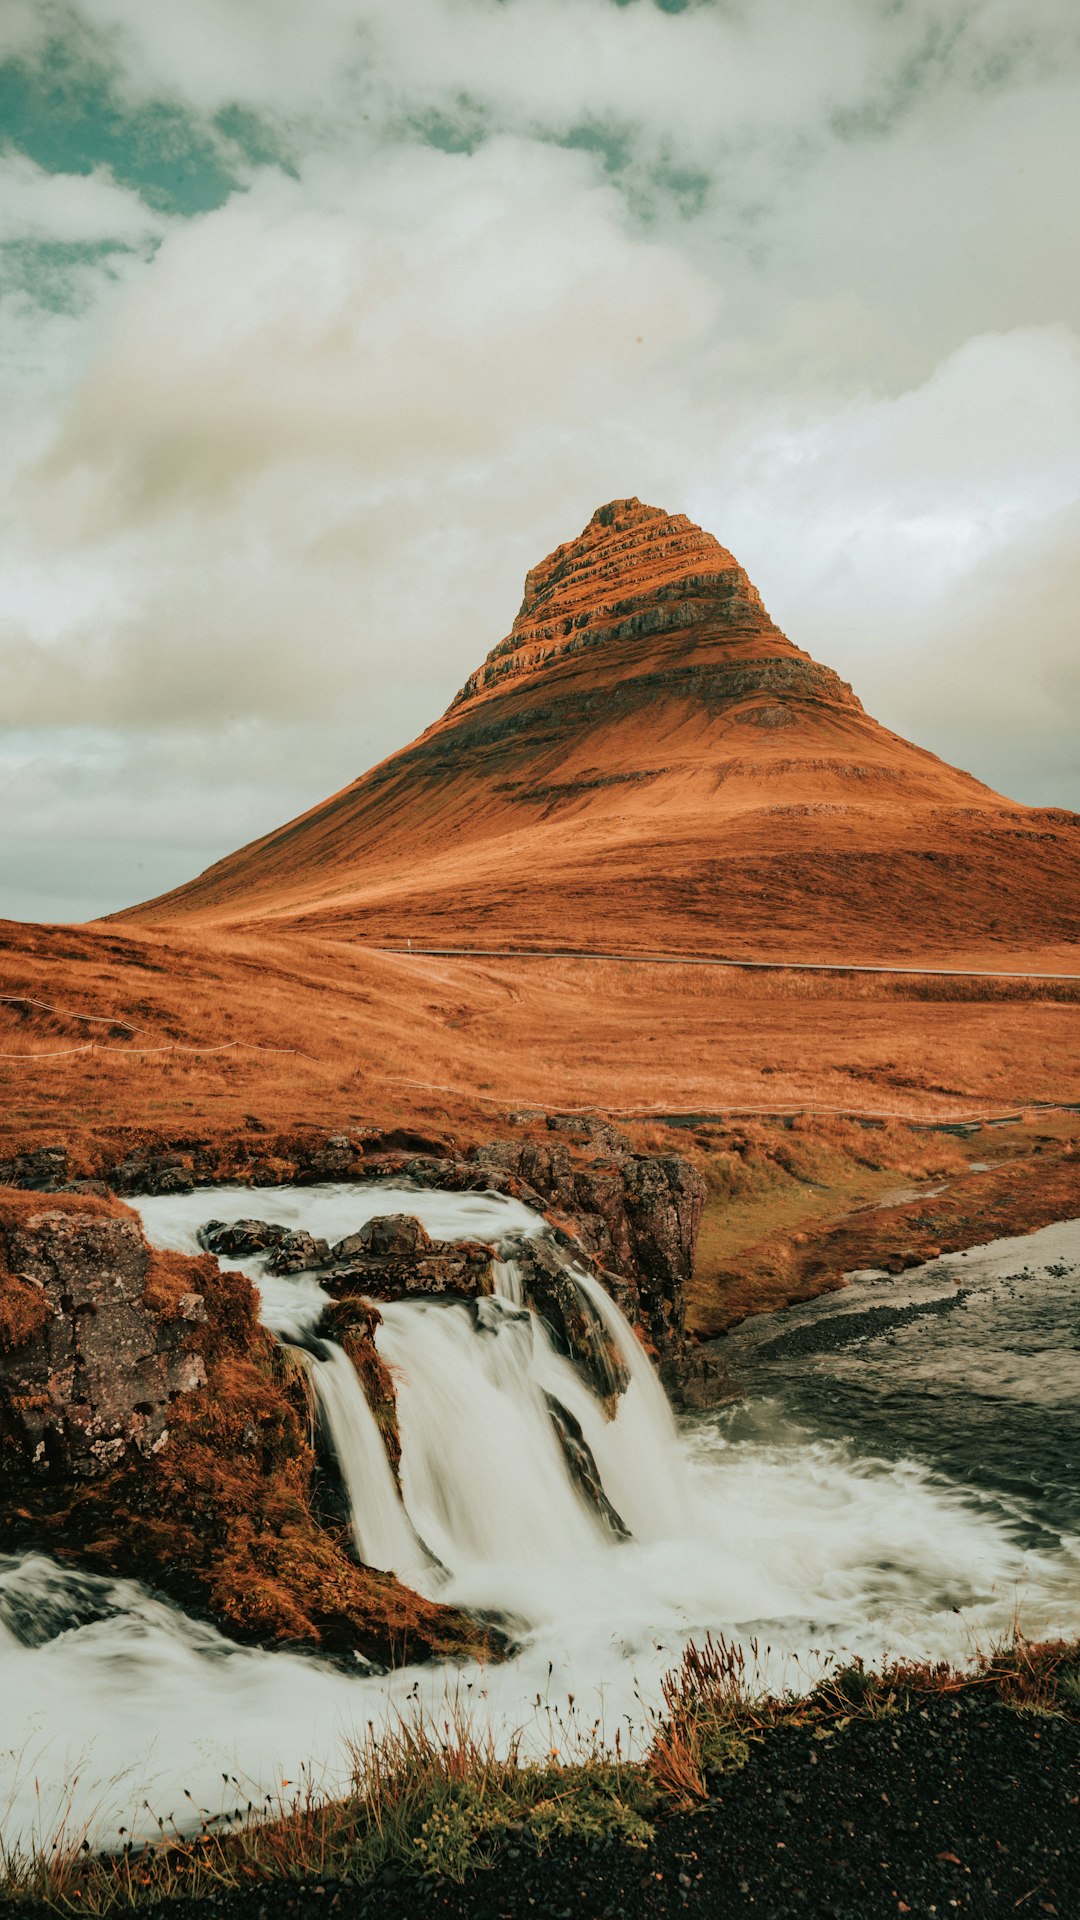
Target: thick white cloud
(368, 325)
(70, 208)
(280, 486)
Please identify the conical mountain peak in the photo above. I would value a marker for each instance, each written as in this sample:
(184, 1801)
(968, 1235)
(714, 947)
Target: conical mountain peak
(646, 762)
(634, 570)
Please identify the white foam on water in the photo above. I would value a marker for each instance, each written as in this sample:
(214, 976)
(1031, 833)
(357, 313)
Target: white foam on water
(770, 1536)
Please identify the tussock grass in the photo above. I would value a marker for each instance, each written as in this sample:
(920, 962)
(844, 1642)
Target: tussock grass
(713, 1712)
(440, 1799)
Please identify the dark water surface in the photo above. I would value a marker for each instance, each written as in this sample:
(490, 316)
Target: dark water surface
(969, 1365)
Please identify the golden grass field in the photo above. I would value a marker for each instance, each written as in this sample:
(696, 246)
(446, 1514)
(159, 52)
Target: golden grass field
(105, 1029)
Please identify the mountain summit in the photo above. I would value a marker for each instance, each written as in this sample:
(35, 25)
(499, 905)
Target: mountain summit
(634, 571)
(646, 762)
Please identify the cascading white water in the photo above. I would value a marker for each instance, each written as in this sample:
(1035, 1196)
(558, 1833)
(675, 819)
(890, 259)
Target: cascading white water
(753, 1525)
(384, 1538)
(484, 1477)
(636, 1451)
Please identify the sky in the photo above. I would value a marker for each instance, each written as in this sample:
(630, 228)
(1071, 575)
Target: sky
(320, 325)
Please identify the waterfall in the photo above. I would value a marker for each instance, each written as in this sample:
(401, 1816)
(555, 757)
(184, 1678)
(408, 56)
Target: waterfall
(508, 1458)
(637, 1451)
(381, 1528)
(483, 1471)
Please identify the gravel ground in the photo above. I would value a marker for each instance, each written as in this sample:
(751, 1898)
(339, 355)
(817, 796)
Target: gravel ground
(958, 1806)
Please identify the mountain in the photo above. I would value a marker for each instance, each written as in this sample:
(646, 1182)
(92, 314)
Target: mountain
(647, 763)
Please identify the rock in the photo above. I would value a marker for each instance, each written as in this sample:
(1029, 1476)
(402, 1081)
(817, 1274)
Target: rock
(589, 1130)
(42, 1170)
(700, 1378)
(144, 1172)
(546, 1167)
(88, 1377)
(633, 571)
(572, 1320)
(440, 1266)
(298, 1252)
(236, 1239)
(353, 1322)
(331, 1159)
(583, 1468)
(389, 1235)
(664, 1198)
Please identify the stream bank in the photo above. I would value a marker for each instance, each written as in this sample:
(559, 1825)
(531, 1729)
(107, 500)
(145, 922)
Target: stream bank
(950, 1801)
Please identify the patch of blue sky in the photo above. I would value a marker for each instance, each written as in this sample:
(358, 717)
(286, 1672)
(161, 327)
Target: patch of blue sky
(67, 113)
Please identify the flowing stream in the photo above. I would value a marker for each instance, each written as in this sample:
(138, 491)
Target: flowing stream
(837, 1510)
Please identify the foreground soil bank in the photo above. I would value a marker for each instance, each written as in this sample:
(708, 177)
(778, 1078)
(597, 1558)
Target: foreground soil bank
(953, 1805)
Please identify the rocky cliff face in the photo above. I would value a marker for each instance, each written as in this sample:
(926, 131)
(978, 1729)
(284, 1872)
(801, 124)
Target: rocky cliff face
(92, 1354)
(634, 572)
(635, 1215)
(647, 762)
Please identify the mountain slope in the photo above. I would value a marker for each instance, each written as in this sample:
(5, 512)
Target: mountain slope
(647, 763)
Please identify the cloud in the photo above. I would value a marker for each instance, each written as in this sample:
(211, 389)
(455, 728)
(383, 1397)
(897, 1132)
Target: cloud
(304, 471)
(367, 325)
(277, 469)
(70, 208)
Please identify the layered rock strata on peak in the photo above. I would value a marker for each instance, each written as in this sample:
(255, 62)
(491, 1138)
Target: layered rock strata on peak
(647, 763)
(634, 572)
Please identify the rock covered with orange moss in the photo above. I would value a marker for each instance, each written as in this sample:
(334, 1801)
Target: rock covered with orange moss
(91, 1355)
(353, 1322)
(150, 1427)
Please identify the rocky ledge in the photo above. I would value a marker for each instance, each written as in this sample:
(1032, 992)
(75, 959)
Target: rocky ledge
(632, 1217)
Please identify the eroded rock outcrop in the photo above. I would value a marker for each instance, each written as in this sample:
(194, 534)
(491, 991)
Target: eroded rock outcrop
(634, 571)
(570, 1317)
(94, 1348)
(353, 1322)
(636, 1215)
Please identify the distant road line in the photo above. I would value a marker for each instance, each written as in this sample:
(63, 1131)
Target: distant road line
(715, 960)
(662, 1110)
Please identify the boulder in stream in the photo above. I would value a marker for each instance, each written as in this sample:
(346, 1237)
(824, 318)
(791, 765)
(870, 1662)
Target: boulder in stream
(393, 1257)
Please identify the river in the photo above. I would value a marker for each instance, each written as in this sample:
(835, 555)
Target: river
(901, 1478)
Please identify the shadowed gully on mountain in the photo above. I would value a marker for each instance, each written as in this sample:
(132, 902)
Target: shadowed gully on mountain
(647, 763)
